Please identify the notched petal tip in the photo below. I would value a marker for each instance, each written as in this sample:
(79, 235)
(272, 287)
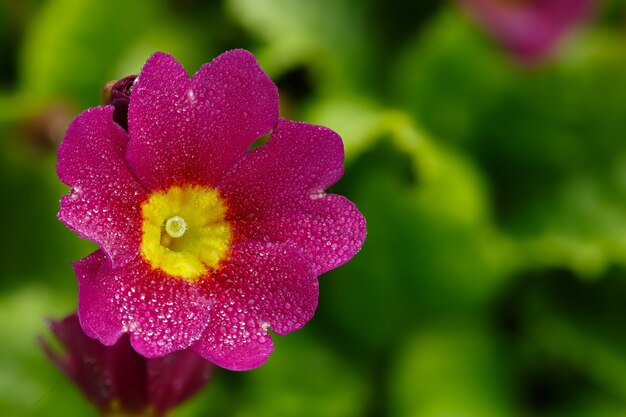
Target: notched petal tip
(347, 232)
(151, 348)
(241, 359)
(275, 288)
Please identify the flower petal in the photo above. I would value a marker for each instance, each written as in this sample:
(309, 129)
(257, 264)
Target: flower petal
(276, 192)
(161, 313)
(328, 230)
(264, 285)
(103, 204)
(236, 103)
(97, 318)
(176, 124)
(163, 147)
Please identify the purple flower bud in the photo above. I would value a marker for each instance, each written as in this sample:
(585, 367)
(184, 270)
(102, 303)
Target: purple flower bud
(118, 93)
(116, 379)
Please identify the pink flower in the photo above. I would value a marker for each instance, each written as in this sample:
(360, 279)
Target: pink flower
(119, 381)
(529, 28)
(204, 244)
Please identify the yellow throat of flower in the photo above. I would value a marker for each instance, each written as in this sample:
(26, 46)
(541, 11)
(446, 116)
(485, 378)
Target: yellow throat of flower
(185, 232)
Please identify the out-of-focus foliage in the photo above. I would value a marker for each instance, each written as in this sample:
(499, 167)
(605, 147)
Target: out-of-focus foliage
(493, 278)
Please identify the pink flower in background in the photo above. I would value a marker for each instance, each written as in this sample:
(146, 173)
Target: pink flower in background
(529, 28)
(204, 244)
(119, 381)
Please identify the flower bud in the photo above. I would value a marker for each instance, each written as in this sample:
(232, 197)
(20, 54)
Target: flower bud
(118, 93)
(118, 380)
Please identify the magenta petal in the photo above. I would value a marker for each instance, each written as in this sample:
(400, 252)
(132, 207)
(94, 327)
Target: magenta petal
(103, 204)
(97, 318)
(263, 286)
(236, 103)
(329, 232)
(161, 313)
(276, 192)
(176, 124)
(163, 147)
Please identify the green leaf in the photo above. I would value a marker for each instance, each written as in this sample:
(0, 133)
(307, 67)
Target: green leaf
(431, 248)
(328, 37)
(75, 45)
(452, 370)
(447, 76)
(41, 248)
(565, 340)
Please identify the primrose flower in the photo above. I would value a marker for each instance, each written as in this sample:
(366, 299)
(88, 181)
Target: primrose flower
(529, 28)
(204, 244)
(119, 381)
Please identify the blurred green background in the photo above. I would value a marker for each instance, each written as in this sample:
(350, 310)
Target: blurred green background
(493, 279)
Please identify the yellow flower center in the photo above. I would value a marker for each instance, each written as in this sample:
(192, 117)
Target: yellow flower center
(185, 232)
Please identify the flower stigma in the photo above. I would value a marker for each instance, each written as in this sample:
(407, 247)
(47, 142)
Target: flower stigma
(185, 231)
(176, 226)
